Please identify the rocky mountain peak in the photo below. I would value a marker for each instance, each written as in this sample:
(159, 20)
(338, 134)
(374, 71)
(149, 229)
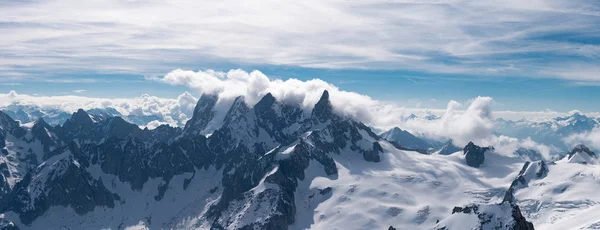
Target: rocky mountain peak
(79, 118)
(323, 109)
(582, 154)
(265, 102)
(581, 148)
(237, 109)
(204, 112)
(41, 122)
(474, 154)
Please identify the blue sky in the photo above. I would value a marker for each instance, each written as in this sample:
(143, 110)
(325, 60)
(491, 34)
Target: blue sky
(527, 55)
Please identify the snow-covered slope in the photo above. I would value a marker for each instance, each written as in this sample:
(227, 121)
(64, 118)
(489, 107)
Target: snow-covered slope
(565, 196)
(407, 190)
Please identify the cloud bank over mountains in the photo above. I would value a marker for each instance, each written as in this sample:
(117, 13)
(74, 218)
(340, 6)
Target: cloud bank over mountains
(171, 111)
(472, 121)
(461, 123)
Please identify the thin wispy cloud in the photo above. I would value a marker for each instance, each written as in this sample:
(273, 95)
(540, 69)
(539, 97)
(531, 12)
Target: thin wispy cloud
(513, 38)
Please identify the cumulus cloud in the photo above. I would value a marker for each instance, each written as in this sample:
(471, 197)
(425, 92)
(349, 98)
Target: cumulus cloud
(474, 123)
(154, 124)
(589, 138)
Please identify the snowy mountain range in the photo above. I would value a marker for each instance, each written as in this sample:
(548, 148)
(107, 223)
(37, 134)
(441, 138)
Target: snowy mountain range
(274, 165)
(144, 111)
(28, 113)
(551, 132)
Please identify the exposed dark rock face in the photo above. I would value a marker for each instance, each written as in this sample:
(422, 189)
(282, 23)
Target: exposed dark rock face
(323, 109)
(63, 181)
(373, 155)
(520, 222)
(475, 155)
(78, 125)
(4, 186)
(45, 133)
(203, 113)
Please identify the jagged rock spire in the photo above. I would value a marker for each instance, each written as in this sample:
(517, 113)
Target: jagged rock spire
(323, 109)
(41, 122)
(81, 117)
(238, 108)
(265, 102)
(203, 113)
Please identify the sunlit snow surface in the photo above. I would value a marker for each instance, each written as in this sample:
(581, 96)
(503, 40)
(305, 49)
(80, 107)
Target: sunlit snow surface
(406, 189)
(567, 198)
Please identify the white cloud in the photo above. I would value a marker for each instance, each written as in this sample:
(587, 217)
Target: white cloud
(154, 124)
(508, 145)
(79, 91)
(127, 37)
(172, 111)
(590, 138)
(473, 124)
